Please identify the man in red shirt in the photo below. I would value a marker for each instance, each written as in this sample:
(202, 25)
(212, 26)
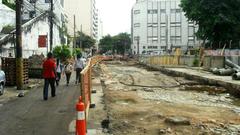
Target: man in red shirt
(49, 68)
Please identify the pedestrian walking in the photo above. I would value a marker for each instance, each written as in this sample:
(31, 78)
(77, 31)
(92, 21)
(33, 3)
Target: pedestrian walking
(68, 71)
(59, 71)
(79, 65)
(49, 74)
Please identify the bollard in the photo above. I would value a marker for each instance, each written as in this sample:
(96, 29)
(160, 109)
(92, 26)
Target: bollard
(80, 122)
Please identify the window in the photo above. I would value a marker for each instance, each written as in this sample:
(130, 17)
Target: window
(136, 11)
(136, 38)
(163, 11)
(152, 39)
(163, 47)
(144, 47)
(32, 14)
(152, 25)
(136, 24)
(153, 11)
(190, 23)
(175, 10)
(178, 10)
(152, 47)
(47, 1)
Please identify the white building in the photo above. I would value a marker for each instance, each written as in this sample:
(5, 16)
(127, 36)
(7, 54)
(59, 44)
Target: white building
(86, 16)
(33, 8)
(160, 25)
(31, 32)
(7, 16)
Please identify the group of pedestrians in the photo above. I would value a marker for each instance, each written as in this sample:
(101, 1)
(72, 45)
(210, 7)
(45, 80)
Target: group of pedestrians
(53, 72)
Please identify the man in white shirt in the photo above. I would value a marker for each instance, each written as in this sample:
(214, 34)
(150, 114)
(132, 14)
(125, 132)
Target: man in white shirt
(79, 65)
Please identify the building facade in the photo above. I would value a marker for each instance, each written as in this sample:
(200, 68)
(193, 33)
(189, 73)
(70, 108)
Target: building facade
(160, 26)
(32, 31)
(7, 16)
(86, 16)
(33, 8)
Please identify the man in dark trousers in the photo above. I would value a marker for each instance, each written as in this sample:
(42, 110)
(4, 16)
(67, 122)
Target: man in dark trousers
(49, 74)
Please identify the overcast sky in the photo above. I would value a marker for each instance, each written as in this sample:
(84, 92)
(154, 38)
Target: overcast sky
(115, 15)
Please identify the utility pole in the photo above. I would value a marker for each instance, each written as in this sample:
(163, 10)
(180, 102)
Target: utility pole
(74, 32)
(81, 46)
(166, 32)
(19, 59)
(51, 24)
(138, 45)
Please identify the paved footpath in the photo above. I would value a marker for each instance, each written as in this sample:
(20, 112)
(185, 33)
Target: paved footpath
(31, 115)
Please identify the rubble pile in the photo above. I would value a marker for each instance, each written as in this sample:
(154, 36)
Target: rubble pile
(35, 61)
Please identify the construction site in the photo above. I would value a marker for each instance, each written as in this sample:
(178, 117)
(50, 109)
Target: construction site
(141, 97)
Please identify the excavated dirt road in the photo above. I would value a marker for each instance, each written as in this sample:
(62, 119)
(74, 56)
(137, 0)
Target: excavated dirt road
(143, 102)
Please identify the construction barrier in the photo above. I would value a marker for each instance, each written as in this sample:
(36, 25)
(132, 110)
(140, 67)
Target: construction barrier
(86, 82)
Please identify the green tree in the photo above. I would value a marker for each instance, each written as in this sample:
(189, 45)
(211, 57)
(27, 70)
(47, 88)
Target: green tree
(218, 20)
(10, 4)
(77, 51)
(85, 40)
(106, 44)
(122, 43)
(62, 52)
(117, 44)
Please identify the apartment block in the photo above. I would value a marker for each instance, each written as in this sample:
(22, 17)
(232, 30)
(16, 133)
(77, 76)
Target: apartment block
(160, 26)
(86, 16)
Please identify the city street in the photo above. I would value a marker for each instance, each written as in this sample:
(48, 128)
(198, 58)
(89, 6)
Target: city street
(31, 115)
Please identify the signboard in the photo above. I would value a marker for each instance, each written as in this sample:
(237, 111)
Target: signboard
(42, 41)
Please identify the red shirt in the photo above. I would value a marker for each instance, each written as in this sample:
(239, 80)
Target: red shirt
(49, 67)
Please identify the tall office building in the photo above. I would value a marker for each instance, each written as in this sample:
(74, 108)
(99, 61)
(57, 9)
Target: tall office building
(160, 25)
(86, 16)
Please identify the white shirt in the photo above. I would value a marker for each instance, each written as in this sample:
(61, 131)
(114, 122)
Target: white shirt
(80, 63)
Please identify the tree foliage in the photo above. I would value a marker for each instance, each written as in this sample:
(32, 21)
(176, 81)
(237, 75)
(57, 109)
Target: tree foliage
(117, 44)
(62, 52)
(106, 44)
(121, 43)
(85, 40)
(77, 51)
(11, 5)
(218, 20)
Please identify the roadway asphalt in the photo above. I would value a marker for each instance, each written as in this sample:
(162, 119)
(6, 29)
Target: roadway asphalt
(31, 115)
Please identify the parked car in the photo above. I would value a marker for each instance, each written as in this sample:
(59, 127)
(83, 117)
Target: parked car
(2, 81)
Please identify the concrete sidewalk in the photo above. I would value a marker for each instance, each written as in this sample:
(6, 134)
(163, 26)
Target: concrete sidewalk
(198, 74)
(96, 114)
(11, 92)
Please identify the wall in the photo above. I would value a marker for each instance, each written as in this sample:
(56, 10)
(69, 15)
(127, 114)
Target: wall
(7, 16)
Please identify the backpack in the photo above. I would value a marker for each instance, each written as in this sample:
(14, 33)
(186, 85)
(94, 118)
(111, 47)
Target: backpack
(68, 68)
